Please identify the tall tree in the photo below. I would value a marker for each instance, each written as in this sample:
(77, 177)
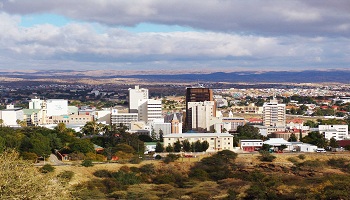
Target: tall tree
(205, 146)
(169, 148)
(333, 143)
(177, 146)
(159, 147)
(292, 138)
(186, 145)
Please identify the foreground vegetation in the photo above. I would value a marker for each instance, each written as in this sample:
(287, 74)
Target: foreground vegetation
(222, 176)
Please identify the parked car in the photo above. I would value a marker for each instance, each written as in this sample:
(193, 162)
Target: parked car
(321, 150)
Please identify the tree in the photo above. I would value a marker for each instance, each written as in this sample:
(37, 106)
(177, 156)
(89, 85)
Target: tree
(186, 145)
(169, 148)
(292, 138)
(311, 124)
(177, 146)
(82, 146)
(38, 144)
(198, 146)
(61, 127)
(161, 134)
(248, 132)
(315, 138)
(205, 146)
(159, 147)
(92, 128)
(333, 143)
(153, 135)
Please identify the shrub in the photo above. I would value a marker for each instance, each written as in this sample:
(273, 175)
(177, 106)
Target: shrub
(66, 175)
(148, 169)
(301, 156)
(171, 158)
(337, 162)
(87, 163)
(47, 168)
(199, 174)
(292, 160)
(312, 163)
(266, 156)
(29, 156)
(102, 173)
(135, 160)
(158, 157)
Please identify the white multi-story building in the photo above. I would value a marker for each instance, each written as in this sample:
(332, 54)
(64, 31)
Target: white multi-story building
(338, 132)
(123, 118)
(217, 141)
(200, 114)
(150, 110)
(36, 104)
(10, 116)
(274, 114)
(136, 95)
(56, 107)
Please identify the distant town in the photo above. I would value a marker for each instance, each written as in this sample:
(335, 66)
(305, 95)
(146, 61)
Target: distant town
(188, 112)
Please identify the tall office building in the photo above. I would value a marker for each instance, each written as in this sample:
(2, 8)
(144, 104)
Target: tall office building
(196, 95)
(135, 95)
(274, 114)
(200, 115)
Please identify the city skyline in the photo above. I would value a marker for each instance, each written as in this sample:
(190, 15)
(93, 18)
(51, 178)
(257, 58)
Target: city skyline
(215, 35)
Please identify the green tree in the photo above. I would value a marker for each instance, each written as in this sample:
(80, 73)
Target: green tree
(333, 143)
(177, 146)
(159, 147)
(248, 132)
(169, 148)
(186, 145)
(205, 146)
(38, 144)
(292, 138)
(92, 128)
(315, 138)
(311, 124)
(198, 146)
(82, 146)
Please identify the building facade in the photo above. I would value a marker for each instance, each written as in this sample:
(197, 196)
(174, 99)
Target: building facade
(200, 114)
(196, 95)
(150, 110)
(136, 95)
(338, 132)
(274, 114)
(217, 141)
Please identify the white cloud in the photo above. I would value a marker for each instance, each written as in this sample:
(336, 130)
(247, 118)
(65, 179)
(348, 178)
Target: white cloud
(276, 17)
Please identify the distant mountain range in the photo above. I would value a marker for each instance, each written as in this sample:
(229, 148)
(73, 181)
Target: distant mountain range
(309, 76)
(258, 77)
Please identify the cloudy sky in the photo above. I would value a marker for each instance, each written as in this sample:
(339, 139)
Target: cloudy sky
(216, 35)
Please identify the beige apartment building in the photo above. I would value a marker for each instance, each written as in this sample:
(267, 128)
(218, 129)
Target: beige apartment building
(274, 114)
(217, 141)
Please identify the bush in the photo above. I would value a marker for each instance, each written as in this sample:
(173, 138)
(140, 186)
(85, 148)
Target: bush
(47, 168)
(148, 169)
(66, 175)
(87, 163)
(135, 160)
(171, 158)
(158, 157)
(293, 160)
(301, 156)
(266, 156)
(337, 162)
(103, 173)
(29, 156)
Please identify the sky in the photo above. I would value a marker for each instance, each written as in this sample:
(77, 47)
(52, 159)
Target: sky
(197, 35)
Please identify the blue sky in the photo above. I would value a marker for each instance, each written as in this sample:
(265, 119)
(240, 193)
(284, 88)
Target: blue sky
(195, 35)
